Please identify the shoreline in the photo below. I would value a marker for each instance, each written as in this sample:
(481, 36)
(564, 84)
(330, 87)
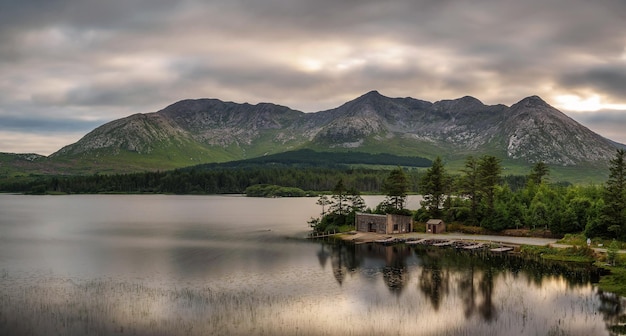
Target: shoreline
(369, 237)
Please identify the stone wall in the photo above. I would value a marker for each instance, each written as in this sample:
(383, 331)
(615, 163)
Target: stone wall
(383, 224)
(371, 223)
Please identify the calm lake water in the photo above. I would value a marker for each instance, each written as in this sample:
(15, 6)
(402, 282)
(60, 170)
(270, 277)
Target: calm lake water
(231, 265)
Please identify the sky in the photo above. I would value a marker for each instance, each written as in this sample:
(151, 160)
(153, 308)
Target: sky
(68, 66)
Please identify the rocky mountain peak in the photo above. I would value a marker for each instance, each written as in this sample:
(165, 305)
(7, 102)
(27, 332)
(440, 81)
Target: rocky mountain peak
(529, 131)
(531, 102)
(466, 103)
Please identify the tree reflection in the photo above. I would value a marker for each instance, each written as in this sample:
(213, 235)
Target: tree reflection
(322, 255)
(343, 260)
(473, 277)
(467, 291)
(612, 310)
(434, 281)
(395, 272)
(487, 308)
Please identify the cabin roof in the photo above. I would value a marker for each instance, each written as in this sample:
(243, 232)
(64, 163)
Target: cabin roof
(434, 221)
(369, 214)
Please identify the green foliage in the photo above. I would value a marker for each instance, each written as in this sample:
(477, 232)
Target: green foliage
(434, 185)
(395, 186)
(340, 204)
(342, 208)
(489, 170)
(468, 229)
(611, 252)
(580, 254)
(323, 201)
(538, 172)
(211, 179)
(614, 212)
(469, 186)
(311, 157)
(481, 196)
(615, 282)
(270, 190)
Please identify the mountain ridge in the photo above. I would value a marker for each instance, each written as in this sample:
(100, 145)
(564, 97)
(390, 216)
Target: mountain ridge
(195, 131)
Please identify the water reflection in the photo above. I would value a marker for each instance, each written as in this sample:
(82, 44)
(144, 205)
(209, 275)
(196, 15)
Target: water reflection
(169, 265)
(472, 279)
(612, 309)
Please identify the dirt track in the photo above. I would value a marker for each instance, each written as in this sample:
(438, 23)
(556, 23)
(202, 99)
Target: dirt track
(366, 237)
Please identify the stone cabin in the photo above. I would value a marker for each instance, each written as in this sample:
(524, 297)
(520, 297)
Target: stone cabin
(435, 226)
(383, 224)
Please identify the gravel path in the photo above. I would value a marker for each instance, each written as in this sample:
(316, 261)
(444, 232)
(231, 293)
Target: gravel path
(370, 237)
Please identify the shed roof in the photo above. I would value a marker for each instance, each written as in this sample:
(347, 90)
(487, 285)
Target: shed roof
(369, 214)
(434, 221)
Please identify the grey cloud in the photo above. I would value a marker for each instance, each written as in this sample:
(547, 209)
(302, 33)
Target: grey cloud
(607, 79)
(243, 50)
(81, 13)
(601, 117)
(609, 123)
(51, 125)
(122, 94)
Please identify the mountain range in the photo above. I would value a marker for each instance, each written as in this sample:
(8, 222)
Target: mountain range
(197, 131)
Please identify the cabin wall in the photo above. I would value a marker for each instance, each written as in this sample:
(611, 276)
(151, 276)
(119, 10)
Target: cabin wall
(371, 223)
(399, 223)
(383, 224)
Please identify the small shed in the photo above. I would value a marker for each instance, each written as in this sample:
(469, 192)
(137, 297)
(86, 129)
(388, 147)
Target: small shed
(435, 226)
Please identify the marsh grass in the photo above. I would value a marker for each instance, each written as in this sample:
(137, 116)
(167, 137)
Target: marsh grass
(68, 306)
(55, 306)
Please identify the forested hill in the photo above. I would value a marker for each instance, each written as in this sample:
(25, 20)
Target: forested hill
(305, 169)
(313, 158)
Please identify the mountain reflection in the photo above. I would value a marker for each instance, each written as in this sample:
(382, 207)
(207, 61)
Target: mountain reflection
(442, 274)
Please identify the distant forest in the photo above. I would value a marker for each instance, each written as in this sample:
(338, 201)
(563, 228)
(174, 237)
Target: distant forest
(305, 169)
(224, 180)
(215, 180)
(313, 158)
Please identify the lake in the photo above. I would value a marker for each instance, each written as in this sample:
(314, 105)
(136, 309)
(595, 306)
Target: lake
(232, 265)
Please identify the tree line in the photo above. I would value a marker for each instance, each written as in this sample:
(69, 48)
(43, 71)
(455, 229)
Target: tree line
(345, 203)
(478, 197)
(211, 180)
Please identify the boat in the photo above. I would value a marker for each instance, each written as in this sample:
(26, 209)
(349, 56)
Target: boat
(475, 246)
(444, 243)
(501, 249)
(387, 241)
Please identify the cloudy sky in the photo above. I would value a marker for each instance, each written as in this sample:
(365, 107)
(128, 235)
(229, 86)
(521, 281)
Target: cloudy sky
(67, 66)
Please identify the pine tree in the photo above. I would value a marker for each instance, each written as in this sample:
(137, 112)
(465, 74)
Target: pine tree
(614, 213)
(340, 204)
(489, 170)
(396, 186)
(323, 201)
(433, 187)
(357, 203)
(538, 172)
(470, 187)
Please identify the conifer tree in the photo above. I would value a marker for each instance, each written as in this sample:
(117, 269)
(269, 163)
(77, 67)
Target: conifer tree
(489, 170)
(396, 186)
(614, 213)
(539, 172)
(340, 204)
(323, 201)
(433, 187)
(470, 187)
